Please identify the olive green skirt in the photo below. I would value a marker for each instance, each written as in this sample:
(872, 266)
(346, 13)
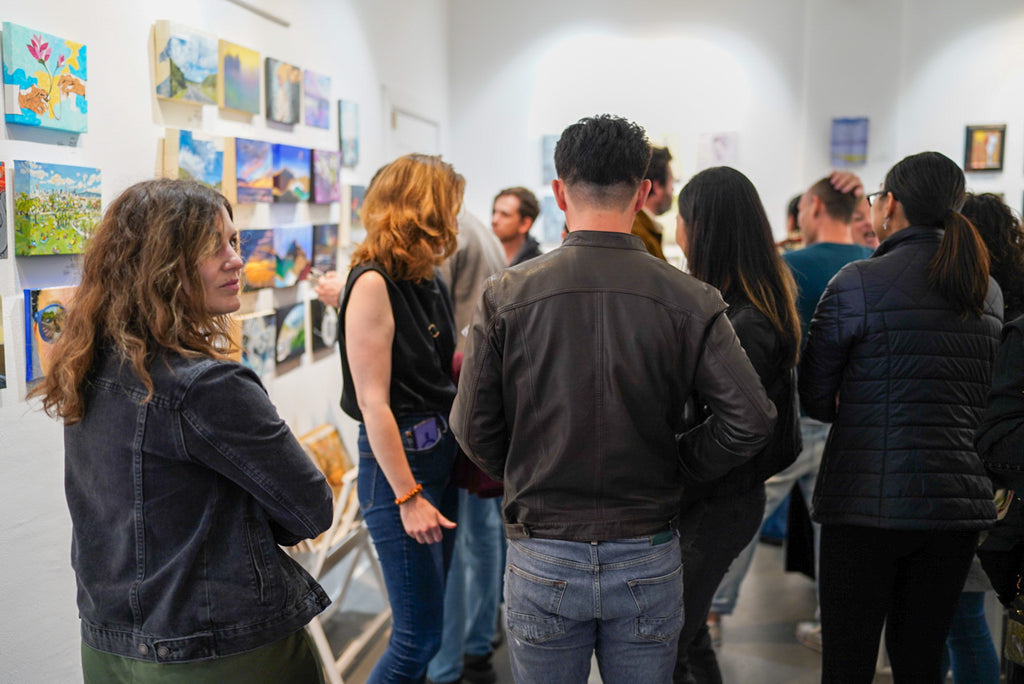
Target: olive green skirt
(291, 660)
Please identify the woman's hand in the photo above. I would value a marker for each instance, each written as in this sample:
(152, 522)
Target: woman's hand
(329, 287)
(422, 521)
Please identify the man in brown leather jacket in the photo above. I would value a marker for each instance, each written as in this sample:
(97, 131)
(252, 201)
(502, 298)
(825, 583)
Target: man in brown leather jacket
(567, 354)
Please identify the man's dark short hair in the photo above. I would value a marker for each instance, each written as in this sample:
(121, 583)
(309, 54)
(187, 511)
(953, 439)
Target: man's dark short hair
(657, 170)
(603, 157)
(529, 207)
(839, 205)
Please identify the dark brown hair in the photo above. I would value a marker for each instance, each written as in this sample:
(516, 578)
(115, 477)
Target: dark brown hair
(1003, 235)
(839, 205)
(529, 207)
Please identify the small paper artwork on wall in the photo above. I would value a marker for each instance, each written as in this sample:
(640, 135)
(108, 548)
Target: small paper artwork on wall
(238, 87)
(45, 312)
(254, 171)
(983, 148)
(260, 262)
(3, 212)
(45, 80)
(324, 324)
(291, 173)
(56, 207)
(186, 63)
(348, 132)
(316, 89)
(293, 248)
(326, 176)
(291, 332)
(3, 349)
(284, 91)
(849, 141)
(325, 247)
(258, 340)
(189, 156)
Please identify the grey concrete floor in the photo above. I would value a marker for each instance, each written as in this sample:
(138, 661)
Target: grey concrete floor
(758, 646)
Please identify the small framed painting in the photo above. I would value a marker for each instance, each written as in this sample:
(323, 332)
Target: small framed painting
(983, 148)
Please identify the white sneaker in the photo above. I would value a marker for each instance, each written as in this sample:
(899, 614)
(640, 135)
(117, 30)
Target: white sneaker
(809, 634)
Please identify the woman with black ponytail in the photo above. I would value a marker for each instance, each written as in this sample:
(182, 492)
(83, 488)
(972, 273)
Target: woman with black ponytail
(898, 358)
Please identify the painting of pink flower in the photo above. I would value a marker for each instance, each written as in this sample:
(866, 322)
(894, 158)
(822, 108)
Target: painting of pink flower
(40, 50)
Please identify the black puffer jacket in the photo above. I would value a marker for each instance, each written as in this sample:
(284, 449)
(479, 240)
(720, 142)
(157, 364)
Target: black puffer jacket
(910, 377)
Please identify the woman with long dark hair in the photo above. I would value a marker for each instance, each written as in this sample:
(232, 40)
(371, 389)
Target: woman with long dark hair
(898, 358)
(724, 232)
(181, 479)
(397, 342)
(1003, 235)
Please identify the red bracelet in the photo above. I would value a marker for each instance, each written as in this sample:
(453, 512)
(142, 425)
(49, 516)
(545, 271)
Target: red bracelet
(412, 492)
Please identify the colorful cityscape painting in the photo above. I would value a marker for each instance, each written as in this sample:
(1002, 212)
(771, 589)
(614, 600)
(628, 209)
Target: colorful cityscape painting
(3, 212)
(238, 87)
(45, 312)
(326, 176)
(348, 132)
(254, 171)
(56, 207)
(316, 95)
(258, 339)
(293, 249)
(283, 89)
(325, 247)
(186, 63)
(45, 80)
(190, 157)
(258, 254)
(291, 173)
(291, 331)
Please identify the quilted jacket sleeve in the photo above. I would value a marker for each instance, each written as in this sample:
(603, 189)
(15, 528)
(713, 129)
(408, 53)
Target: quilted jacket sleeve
(837, 325)
(1000, 438)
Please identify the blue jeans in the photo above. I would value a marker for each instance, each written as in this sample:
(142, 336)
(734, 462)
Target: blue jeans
(566, 600)
(804, 471)
(969, 644)
(414, 573)
(473, 589)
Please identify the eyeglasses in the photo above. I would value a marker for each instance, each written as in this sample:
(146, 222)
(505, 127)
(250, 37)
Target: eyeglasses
(871, 197)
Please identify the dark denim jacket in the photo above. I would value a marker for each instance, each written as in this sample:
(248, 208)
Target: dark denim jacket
(178, 506)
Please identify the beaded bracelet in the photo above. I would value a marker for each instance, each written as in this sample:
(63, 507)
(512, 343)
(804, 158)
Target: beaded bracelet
(412, 492)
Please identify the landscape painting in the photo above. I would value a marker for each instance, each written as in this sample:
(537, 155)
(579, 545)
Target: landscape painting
(284, 91)
(291, 173)
(326, 176)
(56, 207)
(254, 171)
(324, 323)
(45, 80)
(188, 156)
(348, 132)
(291, 332)
(3, 212)
(259, 331)
(45, 312)
(293, 249)
(316, 96)
(186, 63)
(238, 87)
(258, 254)
(325, 247)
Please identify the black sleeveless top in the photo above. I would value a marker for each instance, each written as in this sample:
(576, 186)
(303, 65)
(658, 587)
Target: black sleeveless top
(421, 353)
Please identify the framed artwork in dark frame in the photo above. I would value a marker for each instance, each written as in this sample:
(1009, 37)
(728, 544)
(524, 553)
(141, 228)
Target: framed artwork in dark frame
(984, 147)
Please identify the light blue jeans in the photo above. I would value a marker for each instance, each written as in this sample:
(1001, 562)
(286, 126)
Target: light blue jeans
(566, 600)
(804, 471)
(473, 589)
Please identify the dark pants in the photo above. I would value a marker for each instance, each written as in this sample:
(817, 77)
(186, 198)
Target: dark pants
(718, 529)
(414, 573)
(909, 581)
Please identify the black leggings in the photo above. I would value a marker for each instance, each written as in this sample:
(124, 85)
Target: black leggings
(908, 580)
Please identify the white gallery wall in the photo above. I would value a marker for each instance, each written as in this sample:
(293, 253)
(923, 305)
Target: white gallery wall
(775, 73)
(373, 50)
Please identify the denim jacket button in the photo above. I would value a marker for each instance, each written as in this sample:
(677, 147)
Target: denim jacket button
(163, 652)
(143, 649)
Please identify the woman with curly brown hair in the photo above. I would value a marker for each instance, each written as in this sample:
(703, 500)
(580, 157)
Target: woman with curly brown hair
(1003, 235)
(181, 479)
(397, 341)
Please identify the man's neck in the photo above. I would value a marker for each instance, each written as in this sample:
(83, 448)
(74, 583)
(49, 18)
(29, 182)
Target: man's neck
(512, 247)
(834, 232)
(602, 220)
